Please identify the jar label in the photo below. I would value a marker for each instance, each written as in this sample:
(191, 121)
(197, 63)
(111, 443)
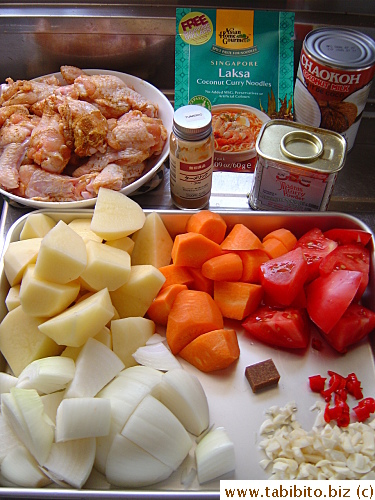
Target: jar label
(190, 181)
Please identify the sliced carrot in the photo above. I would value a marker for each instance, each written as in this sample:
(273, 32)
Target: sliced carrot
(214, 350)
(286, 237)
(201, 282)
(236, 300)
(192, 249)
(274, 248)
(226, 267)
(251, 261)
(241, 238)
(193, 313)
(162, 304)
(176, 275)
(210, 224)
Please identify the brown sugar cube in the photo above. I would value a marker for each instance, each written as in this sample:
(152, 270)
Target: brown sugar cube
(261, 375)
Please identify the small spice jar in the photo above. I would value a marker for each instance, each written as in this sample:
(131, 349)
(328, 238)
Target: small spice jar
(191, 157)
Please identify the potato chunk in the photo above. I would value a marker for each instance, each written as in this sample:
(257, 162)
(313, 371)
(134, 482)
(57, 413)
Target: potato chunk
(62, 255)
(153, 243)
(107, 267)
(135, 296)
(36, 225)
(116, 215)
(83, 228)
(128, 334)
(43, 298)
(18, 256)
(80, 322)
(21, 341)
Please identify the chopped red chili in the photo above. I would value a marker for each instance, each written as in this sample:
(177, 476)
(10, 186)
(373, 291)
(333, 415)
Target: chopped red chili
(317, 383)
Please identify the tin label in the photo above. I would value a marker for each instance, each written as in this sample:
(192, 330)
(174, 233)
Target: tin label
(331, 98)
(294, 190)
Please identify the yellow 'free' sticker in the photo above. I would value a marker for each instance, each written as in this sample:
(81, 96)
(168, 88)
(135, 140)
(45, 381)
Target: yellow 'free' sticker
(195, 28)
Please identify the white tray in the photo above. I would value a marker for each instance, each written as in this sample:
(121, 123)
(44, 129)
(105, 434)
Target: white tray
(232, 403)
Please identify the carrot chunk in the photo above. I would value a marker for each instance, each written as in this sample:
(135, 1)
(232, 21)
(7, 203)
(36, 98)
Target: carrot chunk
(193, 313)
(286, 237)
(210, 224)
(226, 267)
(251, 261)
(236, 300)
(241, 238)
(176, 274)
(214, 350)
(192, 249)
(274, 248)
(201, 282)
(162, 304)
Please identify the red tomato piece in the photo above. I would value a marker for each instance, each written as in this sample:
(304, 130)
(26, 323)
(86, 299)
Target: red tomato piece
(283, 278)
(345, 236)
(288, 327)
(353, 257)
(315, 246)
(356, 322)
(328, 297)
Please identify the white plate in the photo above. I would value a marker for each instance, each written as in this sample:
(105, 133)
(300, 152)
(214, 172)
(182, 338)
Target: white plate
(152, 166)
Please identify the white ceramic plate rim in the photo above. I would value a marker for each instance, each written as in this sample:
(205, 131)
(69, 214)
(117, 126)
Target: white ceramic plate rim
(165, 113)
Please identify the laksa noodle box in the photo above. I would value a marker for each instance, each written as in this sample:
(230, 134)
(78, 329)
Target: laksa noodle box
(239, 65)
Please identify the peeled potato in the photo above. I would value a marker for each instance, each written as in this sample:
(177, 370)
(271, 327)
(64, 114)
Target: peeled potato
(37, 225)
(116, 215)
(62, 255)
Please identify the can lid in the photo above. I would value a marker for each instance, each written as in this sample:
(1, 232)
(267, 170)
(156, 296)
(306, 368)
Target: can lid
(192, 122)
(341, 48)
(291, 144)
(301, 145)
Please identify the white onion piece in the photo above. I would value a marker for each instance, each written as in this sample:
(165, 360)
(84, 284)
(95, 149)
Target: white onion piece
(155, 429)
(183, 394)
(145, 374)
(155, 339)
(24, 412)
(47, 375)
(8, 440)
(20, 468)
(71, 462)
(96, 365)
(128, 465)
(79, 418)
(7, 381)
(156, 356)
(51, 403)
(96, 481)
(214, 455)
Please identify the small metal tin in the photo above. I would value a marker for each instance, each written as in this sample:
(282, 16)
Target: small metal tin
(333, 81)
(297, 167)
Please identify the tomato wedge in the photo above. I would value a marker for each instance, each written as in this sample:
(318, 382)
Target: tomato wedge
(315, 246)
(287, 328)
(356, 322)
(344, 236)
(353, 257)
(283, 277)
(329, 296)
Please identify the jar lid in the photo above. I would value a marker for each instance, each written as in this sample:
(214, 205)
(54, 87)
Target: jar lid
(341, 48)
(192, 122)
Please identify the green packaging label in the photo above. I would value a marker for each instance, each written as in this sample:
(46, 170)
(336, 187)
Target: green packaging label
(238, 56)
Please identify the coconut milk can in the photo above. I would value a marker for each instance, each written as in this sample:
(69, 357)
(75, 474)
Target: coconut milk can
(333, 81)
(297, 167)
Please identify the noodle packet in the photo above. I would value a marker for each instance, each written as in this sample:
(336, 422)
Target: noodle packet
(240, 65)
